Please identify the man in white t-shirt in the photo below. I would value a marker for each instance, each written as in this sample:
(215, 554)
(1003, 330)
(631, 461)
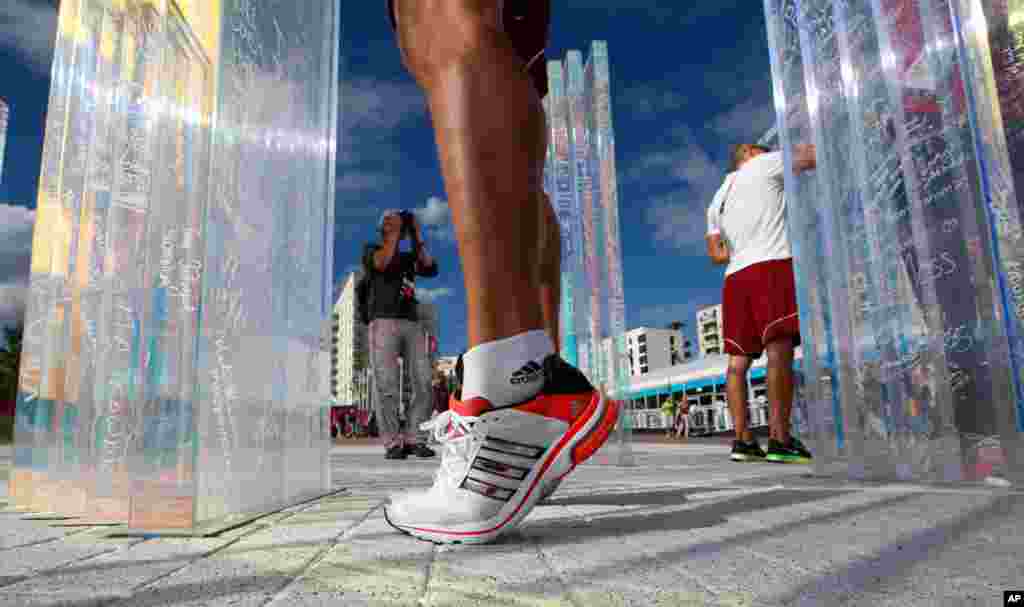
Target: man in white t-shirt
(747, 231)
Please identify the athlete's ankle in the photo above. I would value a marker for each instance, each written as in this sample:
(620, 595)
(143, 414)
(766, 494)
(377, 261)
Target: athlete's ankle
(506, 371)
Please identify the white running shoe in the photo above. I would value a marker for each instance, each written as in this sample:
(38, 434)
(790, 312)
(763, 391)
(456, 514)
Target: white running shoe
(498, 462)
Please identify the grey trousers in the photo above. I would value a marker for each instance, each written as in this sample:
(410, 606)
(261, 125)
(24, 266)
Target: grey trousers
(389, 339)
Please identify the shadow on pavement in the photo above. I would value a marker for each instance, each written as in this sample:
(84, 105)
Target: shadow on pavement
(550, 533)
(663, 497)
(889, 567)
(706, 515)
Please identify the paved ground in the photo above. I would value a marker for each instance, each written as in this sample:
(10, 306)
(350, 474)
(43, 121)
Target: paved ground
(685, 527)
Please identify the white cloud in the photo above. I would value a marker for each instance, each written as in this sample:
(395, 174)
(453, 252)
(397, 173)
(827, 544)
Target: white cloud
(434, 213)
(435, 217)
(371, 113)
(679, 220)
(747, 121)
(12, 303)
(678, 214)
(16, 225)
(28, 27)
(371, 104)
(647, 101)
(432, 295)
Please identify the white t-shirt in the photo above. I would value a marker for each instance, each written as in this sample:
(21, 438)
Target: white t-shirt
(753, 220)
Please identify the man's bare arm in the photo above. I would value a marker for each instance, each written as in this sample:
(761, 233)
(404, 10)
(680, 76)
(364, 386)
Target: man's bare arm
(804, 157)
(718, 250)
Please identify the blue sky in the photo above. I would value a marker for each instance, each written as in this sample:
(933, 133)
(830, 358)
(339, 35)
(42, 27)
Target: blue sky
(688, 80)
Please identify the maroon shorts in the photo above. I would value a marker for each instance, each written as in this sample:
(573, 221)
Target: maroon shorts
(526, 22)
(759, 306)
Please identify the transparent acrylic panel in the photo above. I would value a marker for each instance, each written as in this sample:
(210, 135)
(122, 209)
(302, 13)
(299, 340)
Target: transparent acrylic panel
(5, 116)
(613, 377)
(898, 265)
(824, 416)
(262, 438)
(586, 296)
(160, 464)
(1004, 21)
(562, 192)
(581, 182)
(155, 389)
(42, 372)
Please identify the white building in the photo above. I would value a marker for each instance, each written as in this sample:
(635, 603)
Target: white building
(649, 349)
(349, 348)
(709, 331)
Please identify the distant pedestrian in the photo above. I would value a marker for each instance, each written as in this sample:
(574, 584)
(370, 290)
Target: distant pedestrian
(683, 420)
(440, 392)
(747, 230)
(668, 410)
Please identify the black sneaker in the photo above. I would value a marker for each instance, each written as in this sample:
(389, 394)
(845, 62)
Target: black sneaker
(419, 450)
(396, 452)
(793, 453)
(746, 452)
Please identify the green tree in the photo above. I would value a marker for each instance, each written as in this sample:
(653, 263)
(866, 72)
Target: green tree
(10, 360)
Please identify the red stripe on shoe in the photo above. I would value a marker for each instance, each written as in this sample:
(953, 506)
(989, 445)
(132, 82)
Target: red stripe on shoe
(566, 407)
(598, 434)
(473, 407)
(568, 436)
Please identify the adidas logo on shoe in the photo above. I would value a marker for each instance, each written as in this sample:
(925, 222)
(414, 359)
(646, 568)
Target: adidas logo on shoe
(529, 372)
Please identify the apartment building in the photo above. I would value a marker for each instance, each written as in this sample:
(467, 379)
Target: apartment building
(709, 330)
(649, 349)
(349, 347)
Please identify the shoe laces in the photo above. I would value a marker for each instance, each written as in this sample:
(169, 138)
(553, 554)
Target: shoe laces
(457, 436)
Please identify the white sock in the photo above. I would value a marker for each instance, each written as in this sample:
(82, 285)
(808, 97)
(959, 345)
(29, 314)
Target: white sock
(506, 371)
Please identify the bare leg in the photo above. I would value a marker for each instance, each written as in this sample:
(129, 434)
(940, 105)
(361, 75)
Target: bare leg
(551, 279)
(780, 387)
(736, 392)
(490, 130)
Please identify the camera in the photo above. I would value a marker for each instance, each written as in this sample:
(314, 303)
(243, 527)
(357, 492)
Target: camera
(407, 227)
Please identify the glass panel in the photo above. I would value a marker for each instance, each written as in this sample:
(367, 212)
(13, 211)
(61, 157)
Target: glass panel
(906, 298)
(146, 393)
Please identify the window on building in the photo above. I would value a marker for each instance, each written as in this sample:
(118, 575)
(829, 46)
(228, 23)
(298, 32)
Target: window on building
(643, 369)
(643, 360)
(642, 338)
(643, 349)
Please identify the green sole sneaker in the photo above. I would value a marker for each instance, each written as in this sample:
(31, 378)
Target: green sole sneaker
(785, 458)
(746, 452)
(793, 453)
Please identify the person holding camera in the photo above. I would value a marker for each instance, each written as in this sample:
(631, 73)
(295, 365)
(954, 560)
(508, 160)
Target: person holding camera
(395, 330)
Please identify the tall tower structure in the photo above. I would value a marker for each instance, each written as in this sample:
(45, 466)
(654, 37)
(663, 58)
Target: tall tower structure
(582, 183)
(5, 116)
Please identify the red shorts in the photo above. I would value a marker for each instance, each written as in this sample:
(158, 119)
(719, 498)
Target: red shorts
(759, 306)
(526, 23)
